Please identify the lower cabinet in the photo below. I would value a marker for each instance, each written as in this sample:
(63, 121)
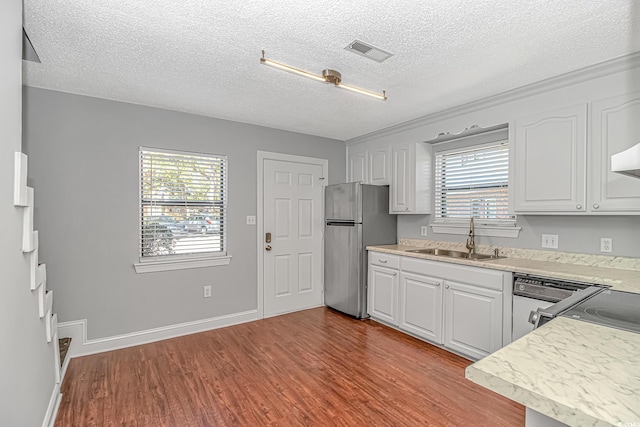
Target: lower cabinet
(462, 308)
(473, 319)
(383, 294)
(421, 306)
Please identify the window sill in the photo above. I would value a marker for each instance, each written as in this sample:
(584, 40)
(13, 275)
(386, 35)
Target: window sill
(479, 229)
(180, 264)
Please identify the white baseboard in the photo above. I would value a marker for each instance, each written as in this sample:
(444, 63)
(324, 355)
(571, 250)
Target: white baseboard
(266, 316)
(52, 409)
(81, 346)
(63, 368)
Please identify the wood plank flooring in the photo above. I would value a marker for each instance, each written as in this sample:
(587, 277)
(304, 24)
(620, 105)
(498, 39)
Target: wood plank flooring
(314, 367)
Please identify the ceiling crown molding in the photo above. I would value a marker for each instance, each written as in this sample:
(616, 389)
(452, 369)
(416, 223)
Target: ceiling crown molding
(621, 63)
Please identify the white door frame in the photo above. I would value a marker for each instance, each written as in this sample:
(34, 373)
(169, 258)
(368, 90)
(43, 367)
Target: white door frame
(262, 156)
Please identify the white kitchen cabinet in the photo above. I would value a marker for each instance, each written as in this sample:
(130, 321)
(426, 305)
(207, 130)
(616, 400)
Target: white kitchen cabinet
(382, 301)
(358, 166)
(370, 166)
(466, 309)
(551, 172)
(380, 166)
(550, 161)
(473, 319)
(615, 125)
(421, 306)
(411, 186)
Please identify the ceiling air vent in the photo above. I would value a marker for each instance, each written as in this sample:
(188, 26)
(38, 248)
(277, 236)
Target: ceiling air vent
(368, 51)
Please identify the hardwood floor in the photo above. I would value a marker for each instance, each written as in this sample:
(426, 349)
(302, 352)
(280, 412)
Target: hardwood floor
(314, 367)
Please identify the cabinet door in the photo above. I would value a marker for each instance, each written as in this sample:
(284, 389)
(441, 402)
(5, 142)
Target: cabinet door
(401, 190)
(616, 127)
(421, 306)
(383, 294)
(550, 161)
(379, 166)
(358, 167)
(472, 319)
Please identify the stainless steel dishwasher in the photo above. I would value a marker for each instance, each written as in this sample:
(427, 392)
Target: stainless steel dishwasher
(533, 292)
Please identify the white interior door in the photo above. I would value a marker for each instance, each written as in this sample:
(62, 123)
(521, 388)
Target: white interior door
(292, 213)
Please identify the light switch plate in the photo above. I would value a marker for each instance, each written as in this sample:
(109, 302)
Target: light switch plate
(251, 220)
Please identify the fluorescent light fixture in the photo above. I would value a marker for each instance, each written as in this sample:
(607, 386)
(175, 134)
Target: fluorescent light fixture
(328, 76)
(293, 70)
(363, 91)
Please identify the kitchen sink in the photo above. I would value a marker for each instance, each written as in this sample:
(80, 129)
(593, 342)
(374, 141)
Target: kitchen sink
(453, 254)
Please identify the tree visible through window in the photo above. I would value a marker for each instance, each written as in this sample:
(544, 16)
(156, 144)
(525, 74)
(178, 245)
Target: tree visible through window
(182, 203)
(473, 182)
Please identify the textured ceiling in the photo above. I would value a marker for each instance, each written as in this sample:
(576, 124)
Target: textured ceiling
(203, 56)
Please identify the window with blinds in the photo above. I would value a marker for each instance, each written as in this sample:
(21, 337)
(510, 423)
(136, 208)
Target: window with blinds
(473, 182)
(183, 202)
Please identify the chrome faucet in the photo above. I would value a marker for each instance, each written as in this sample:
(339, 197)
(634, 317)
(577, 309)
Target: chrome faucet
(471, 243)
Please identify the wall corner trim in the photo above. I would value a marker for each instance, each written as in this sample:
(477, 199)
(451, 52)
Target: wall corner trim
(81, 346)
(52, 409)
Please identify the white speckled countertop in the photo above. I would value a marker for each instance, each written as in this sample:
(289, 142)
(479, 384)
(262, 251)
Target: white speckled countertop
(577, 372)
(578, 267)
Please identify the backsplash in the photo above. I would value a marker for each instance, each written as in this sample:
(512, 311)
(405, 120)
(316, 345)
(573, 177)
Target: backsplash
(624, 263)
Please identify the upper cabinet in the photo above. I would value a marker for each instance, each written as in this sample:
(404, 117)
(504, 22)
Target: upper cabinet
(411, 189)
(380, 166)
(550, 158)
(372, 166)
(615, 127)
(553, 173)
(358, 166)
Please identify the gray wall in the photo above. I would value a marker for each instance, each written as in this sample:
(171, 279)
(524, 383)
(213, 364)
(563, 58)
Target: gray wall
(575, 233)
(26, 360)
(84, 162)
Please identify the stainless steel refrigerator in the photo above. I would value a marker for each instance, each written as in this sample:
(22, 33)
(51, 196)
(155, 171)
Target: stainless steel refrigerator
(356, 215)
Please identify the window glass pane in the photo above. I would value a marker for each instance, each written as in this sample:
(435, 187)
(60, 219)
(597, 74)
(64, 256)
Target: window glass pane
(473, 182)
(182, 203)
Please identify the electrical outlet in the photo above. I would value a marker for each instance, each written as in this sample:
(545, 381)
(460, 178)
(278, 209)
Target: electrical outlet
(251, 220)
(550, 241)
(606, 244)
(207, 292)
(423, 230)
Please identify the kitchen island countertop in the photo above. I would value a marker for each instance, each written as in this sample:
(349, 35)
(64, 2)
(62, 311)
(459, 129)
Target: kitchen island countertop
(577, 372)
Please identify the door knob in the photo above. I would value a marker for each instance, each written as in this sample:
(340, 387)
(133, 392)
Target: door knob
(268, 247)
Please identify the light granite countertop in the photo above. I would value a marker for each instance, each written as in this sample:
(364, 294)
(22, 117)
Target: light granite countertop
(618, 278)
(577, 372)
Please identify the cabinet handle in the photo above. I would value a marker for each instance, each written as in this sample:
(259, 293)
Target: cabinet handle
(395, 274)
(578, 206)
(437, 283)
(406, 209)
(596, 206)
(384, 261)
(446, 286)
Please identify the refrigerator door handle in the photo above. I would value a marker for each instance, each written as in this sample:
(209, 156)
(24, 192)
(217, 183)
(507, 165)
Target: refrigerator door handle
(341, 224)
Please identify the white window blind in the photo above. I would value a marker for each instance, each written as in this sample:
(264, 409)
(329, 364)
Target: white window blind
(183, 202)
(473, 182)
